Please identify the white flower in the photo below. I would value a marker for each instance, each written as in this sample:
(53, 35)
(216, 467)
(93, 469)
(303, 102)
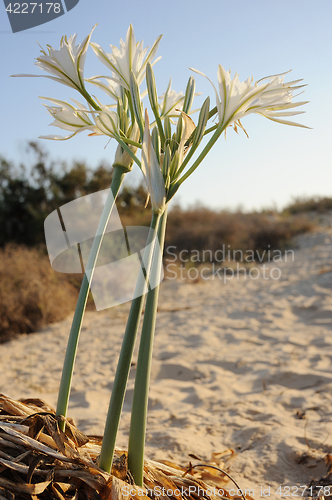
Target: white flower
(122, 157)
(112, 89)
(66, 64)
(107, 122)
(276, 98)
(237, 99)
(171, 100)
(68, 117)
(171, 103)
(130, 57)
(151, 170)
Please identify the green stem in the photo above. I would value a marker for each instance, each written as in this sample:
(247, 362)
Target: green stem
(127, 149)
(221, 127)
(142, 380)
(132, 143)
(126, 353)
(211, 129)
(213, 112)
(200, 158)
(68, 367)
(88, 97)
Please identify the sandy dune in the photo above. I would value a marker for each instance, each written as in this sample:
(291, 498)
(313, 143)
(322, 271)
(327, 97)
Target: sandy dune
(244, 365)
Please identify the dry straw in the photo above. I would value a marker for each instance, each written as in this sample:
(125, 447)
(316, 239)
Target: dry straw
(39, 460)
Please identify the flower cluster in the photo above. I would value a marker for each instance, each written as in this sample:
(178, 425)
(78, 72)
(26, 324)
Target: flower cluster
(124, 119)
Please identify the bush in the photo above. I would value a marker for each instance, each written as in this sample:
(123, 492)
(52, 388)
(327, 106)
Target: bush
(29, 195)
(32, 295)
(203, 229)
(314, 204)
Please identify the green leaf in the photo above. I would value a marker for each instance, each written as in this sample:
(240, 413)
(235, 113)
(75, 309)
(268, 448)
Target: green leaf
(167, 161)
(178, 132)
(137, 103)
(189, 95)
(153, 98)
(152, 90)
(156, 142)
(202, 121)
(167, 129)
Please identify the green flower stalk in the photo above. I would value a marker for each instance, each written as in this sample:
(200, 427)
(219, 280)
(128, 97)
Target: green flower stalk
(175, 153)
(126, 353)
(66, 66)
(123, 163)
(68, 366)
(155, 182)
(156, 176)
(151, 170)
(143, 370)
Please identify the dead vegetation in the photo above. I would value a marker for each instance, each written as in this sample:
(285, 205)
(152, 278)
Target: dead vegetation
(318, 204)
(39, 461)
(204, 229)
(32, 294)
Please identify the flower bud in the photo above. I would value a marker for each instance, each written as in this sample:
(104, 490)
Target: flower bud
(122, 158)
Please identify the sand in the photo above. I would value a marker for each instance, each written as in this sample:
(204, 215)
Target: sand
(243, 365)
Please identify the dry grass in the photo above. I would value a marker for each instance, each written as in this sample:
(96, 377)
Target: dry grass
(317, 204)
(203, 229)
(31, 293)
(38, 460)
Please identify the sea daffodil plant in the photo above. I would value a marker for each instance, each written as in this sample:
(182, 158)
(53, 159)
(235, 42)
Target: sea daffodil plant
(170, 147)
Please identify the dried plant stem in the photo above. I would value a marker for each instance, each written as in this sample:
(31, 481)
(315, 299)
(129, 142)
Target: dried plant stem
(142, 380)
(126, 353)
(68, 366)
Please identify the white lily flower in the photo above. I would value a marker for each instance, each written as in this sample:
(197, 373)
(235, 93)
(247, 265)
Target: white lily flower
(237, 99)
(171, 102)
(112, 89)
(130, 57)
(68, 117)
(151, 170)
(277, 98)
(122, 157)
(107, 122)
(66, 64)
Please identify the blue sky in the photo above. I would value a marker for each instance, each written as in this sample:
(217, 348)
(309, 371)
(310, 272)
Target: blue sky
(255, 38)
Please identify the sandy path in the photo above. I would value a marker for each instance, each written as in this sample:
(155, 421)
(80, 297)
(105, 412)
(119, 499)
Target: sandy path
(243, 365)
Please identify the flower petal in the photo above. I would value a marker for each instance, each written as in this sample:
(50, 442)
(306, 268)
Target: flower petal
(151, 171)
